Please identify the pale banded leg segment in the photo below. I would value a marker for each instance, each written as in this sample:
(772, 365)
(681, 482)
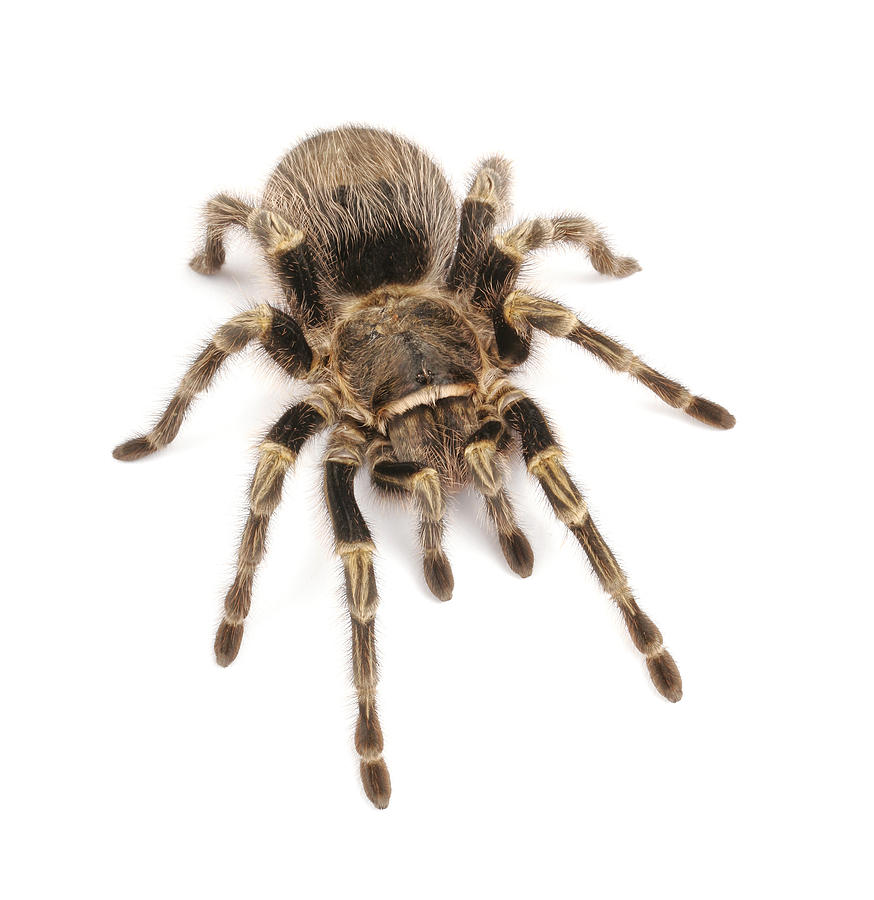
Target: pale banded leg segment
(220, 213)
(536, 233)
(486, 473)
(423, 483)
(278, 333)
(276, 454)
(526, 311)
(544, 461)
(355, 548)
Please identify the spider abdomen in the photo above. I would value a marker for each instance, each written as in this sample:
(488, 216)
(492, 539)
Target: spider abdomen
(375, 209)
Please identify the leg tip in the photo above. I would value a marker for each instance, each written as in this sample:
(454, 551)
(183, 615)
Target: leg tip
(204, 265)
(518, 553)
(135, 448)
(376, 782)
(625, 266)
(665, 676)
(438, 576)
(228, 639)
(710, 413)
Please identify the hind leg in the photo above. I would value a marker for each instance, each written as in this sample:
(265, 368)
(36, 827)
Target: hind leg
(220, 213)
(355, 548)
(544, 460)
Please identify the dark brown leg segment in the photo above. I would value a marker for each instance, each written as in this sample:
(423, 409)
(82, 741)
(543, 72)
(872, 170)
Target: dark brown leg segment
(289, 254)
(277, 453)
(279, 334)
(544, 460)
(527, 311)
(355, 548)
(485, 204)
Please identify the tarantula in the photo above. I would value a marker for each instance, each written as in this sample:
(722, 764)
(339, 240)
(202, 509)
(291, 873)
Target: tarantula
(405, 321)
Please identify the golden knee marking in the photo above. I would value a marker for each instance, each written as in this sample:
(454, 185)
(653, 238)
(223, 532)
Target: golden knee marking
(244, 327)
(346, 445)
(544, 456)
(274, 234)
(508, 398)
(360, 579)
(501, 243)
(560, 490)
(482, 462)
(428, 493)
(484, 188)
(526, 236)
(324, 399)
(266, 491)
(521, 308)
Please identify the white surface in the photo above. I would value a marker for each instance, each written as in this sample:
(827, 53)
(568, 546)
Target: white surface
(727, 149)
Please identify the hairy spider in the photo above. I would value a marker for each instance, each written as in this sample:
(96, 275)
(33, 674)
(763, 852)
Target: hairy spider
(405, 323)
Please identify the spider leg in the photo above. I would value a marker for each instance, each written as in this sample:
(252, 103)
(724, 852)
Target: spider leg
(423, 484)
(285, 247)
(544, 460)
(290, 257)
(355, 548)
(276, 454)
(536, 233)
(279, 334)
(220, 213)
(501, 261)
(526, 310)
(487, 201)
(483, 464)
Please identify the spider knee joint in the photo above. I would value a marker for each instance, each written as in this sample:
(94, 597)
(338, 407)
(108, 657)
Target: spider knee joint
(248, 325)
(266, 490)
(274, 234)
(360, 579)
(426, 489)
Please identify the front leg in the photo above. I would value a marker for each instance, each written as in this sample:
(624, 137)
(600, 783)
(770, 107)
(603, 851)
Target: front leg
(276, 455)
(277, 332)
(355, 548)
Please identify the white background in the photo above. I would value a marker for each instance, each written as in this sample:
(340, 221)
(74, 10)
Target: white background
(727, 148)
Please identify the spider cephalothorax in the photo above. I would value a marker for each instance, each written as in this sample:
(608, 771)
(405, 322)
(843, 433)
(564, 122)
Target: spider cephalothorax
(398, 348)
(404, 318)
